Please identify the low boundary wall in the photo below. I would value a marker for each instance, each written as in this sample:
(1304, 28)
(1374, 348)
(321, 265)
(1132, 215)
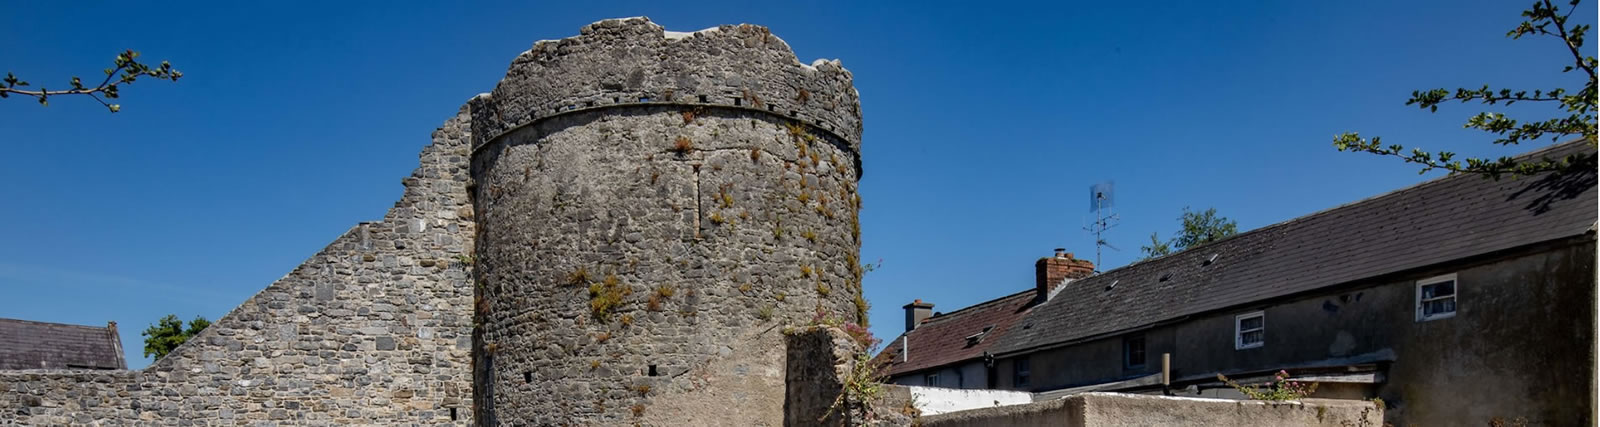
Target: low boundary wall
(1116, 409)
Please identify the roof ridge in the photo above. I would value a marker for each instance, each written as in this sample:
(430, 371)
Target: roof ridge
(1301, 218)
(984, 304)
(1269, 253)
(36, 322)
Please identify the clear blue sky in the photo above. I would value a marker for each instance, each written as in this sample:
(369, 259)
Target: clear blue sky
(985, 124)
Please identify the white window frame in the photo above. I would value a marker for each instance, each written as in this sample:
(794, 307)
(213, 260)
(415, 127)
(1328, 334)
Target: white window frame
(1238, 332)
(930, 380)
(1454, 296)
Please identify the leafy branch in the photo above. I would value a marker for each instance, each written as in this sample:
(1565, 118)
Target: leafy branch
(1543, 18)
(1199, 228)
(127, 69)
(1279, 389)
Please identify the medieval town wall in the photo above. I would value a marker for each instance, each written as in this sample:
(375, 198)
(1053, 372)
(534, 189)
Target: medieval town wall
(375, 329)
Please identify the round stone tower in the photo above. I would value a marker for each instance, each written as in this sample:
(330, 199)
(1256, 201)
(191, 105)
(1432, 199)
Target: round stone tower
(653, 208)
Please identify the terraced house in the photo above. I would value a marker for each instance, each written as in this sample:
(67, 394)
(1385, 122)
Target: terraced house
(1458, 301)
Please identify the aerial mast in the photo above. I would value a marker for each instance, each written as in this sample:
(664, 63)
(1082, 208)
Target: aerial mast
(1102, 197)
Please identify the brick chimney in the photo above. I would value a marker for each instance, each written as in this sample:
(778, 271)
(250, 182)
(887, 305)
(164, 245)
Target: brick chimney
(1050, 272)
(916, 312)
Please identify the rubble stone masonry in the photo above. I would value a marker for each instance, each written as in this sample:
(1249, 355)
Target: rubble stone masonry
(614, 235)
(654, 206)
(373, 330)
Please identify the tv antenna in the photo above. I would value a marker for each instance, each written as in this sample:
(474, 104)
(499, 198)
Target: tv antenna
(1102, 197)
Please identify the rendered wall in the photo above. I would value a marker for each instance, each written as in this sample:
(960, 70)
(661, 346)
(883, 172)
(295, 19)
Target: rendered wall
(1519, 346)
(653, 206)
(372, 330)
(1091, 362)
(1113, 409)
(969, 375)
(938, 400)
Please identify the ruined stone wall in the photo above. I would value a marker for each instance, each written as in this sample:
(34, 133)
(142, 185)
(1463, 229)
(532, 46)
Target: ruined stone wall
(372, 330)
(653, 206)
(820, 361)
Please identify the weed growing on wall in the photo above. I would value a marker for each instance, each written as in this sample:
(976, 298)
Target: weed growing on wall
(606, 295)
(1280, 389)
(863, 383)
(682, 145)
(578, 276)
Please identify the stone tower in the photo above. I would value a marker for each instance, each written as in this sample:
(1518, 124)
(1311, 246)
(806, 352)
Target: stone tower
(653, 208)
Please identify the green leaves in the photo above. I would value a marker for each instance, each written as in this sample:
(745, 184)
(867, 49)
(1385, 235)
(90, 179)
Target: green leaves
(168, 333)
(1156, 247)
(1490, 168)
(125, 62)
(1544, 18)
(1199, 228)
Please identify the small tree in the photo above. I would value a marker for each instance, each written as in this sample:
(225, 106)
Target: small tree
(168, 333)
(1543, 19)
(126, 63)
(1199, 228)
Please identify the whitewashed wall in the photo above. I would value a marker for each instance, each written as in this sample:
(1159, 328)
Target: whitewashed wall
(937, 400)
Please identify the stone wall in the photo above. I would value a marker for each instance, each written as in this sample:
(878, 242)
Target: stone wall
(653, 207)
(1114, 409)
(819, 362)
(372, 330)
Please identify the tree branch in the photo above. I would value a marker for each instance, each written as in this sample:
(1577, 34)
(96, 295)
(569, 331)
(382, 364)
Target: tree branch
(127, 70)
(1561, 29)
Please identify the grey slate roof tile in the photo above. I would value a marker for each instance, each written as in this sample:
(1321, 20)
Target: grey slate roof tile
(1433, 222)
(27, 344)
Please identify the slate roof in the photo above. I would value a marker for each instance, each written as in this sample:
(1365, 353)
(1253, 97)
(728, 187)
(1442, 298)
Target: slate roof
(1433, 222)
(27, 344)
(942, 340)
